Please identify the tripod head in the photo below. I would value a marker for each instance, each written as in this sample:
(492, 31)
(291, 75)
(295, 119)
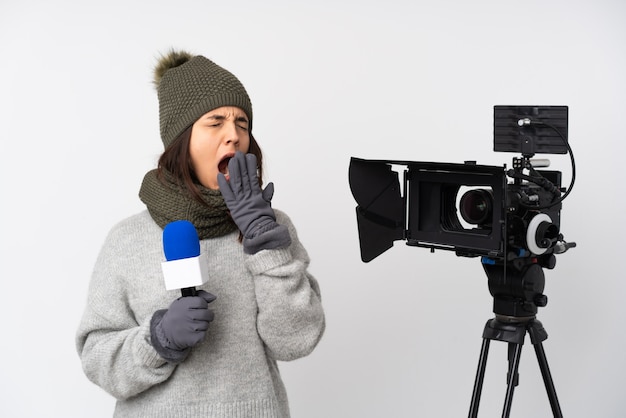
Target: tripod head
(517, 290)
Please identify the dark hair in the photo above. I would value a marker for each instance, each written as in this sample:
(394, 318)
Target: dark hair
(177, 161)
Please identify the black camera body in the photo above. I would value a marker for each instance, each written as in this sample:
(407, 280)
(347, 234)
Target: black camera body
(509, 218)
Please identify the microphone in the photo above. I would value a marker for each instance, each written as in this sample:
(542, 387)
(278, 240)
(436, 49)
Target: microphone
(184, 267)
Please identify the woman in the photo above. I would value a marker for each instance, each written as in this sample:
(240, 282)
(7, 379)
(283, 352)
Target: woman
(214, 354)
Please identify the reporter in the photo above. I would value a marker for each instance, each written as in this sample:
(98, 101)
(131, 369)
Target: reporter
(214, 354)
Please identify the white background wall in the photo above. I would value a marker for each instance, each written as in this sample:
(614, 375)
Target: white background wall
(413, 80)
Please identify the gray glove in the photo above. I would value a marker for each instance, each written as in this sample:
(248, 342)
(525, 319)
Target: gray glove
(181, 326)
(250, 207)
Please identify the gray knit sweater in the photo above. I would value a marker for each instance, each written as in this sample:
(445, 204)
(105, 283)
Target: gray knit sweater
(267, 310)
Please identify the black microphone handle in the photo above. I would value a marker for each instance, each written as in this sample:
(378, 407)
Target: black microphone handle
(189, 291)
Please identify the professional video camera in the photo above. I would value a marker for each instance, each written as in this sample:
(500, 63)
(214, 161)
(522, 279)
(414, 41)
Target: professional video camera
(475, 210)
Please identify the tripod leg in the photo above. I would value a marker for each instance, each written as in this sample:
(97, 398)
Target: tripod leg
(547, 380)
(510, 356)
(514, 366)
(480, 375)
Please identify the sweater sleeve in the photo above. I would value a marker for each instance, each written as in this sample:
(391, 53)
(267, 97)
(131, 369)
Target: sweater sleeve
(113, 344)
(290, 320)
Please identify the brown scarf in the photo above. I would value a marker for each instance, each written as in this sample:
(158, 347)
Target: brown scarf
(168, 201)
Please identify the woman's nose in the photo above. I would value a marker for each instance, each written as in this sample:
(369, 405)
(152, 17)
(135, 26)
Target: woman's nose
(232, 135)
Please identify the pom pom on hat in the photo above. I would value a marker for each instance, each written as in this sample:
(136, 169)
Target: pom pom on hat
(170, 60)
(189, 86)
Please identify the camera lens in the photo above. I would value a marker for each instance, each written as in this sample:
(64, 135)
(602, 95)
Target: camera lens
(476, 206)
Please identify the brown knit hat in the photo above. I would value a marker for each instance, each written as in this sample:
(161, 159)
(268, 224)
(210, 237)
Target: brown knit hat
(188, 87)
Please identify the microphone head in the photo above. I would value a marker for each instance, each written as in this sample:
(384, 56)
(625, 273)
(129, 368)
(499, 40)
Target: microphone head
(180, 240)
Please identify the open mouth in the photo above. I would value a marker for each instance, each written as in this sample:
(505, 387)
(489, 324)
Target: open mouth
(223, 165)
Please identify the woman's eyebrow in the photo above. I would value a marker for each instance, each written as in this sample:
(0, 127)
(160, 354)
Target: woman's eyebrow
(215, 117)
(222, 117)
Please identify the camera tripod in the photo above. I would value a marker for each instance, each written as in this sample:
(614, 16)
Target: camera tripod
(513, 332)
(517, 295)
